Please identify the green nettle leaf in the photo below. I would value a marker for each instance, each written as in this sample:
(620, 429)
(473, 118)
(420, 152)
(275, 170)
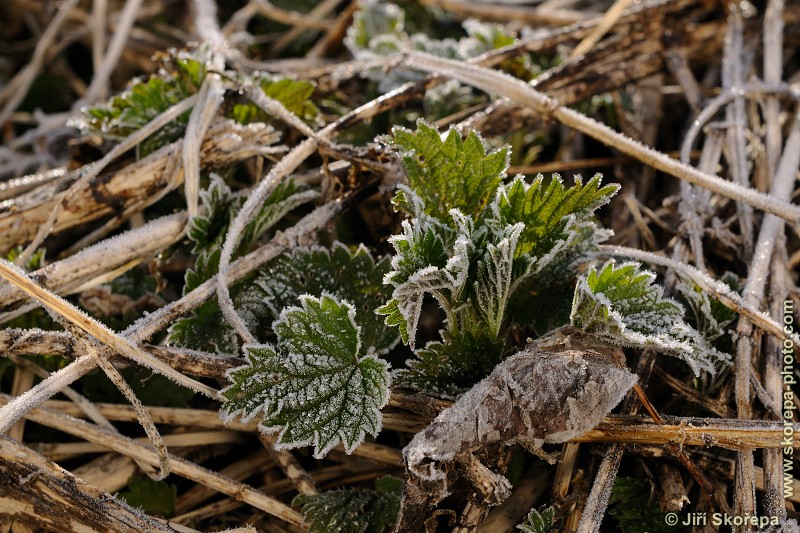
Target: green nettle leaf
(145, 100)
(451, 173)
(317, 386)
(419, 267)
(207, 230)
(153, 497)
(710, 316)
(623, 305)
(353, 510)
(473, 255)
(286, 197)
(219, 207)
(537, 522)
(295, 95)
(550, 215)
(206, 328)
(448, 369)
(353, 276)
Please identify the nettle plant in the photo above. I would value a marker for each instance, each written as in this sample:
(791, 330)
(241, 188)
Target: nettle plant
(478, 245)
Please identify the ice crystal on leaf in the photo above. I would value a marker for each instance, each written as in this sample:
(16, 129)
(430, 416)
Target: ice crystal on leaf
(496, 277)
(349, 275)
(622, 305)
(709, 315)
(418, 268)
(207, 230)
(317, 386)
(353, 510)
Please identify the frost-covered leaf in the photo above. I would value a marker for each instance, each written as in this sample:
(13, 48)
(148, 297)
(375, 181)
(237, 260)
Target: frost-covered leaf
(450, 173)
(374, 20)
(497, 277)
(394, 318)
(418, 267)
(219, 207)
(378, 30)
(632, 505)
(353, 276)
(286, 196)
(207, 229)
(206, 329)
(543, 394)
(295, 95)
(624, 306)
(153, 497)
(125, 113)
(537, 522)
(430, 259)
(353, 510)
(549, 215)
(317, 386)
(447, 369)
(710, 317)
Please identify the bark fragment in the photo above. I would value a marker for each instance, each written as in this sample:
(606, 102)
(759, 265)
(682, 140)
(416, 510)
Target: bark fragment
(40, 492)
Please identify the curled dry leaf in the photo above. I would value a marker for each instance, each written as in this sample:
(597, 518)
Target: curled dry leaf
(540, 395)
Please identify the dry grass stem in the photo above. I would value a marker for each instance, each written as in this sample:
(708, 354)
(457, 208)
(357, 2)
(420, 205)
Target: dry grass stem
(179, 466)
(123, 263)
(497, 82)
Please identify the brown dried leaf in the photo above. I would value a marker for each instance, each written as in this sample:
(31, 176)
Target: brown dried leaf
(536, 396)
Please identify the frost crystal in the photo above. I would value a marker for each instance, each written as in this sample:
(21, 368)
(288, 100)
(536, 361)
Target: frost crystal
(317, 386)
